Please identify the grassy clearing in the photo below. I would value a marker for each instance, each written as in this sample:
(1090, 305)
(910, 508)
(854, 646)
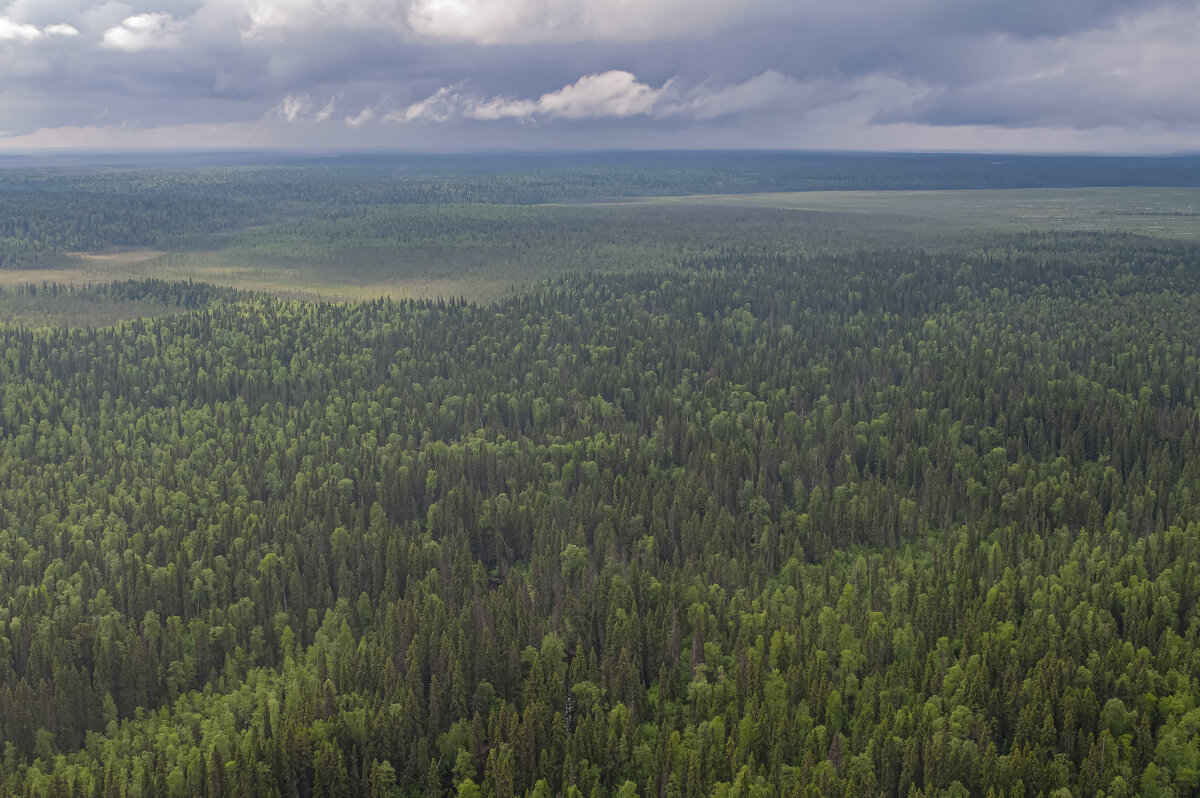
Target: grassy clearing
(304, 282)
(1161, 212)
(79, 310)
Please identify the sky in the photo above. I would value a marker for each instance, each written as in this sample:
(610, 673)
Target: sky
(1094, 76)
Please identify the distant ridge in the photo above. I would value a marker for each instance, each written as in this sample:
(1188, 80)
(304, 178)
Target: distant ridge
(723, 171)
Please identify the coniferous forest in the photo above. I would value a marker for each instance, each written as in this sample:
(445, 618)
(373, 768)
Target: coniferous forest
(50, 206)
(879, 522)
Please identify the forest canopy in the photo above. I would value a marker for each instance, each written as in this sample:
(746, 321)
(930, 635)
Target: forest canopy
(885, 522)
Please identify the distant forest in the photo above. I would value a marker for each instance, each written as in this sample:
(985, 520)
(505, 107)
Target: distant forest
(54, 205)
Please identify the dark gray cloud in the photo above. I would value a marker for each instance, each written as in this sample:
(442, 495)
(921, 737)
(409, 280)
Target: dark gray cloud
(465, 74)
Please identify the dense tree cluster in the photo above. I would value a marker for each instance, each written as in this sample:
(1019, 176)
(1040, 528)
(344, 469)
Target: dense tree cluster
(888, 523)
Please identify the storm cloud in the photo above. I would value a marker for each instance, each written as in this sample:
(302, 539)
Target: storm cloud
(1024, 75)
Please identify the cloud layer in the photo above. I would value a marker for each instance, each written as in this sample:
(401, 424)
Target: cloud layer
(617, 94)
(139, 32)
(1097, 75)
(10, 30)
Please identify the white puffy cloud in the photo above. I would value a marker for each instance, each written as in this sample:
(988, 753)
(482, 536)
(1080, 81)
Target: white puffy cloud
(615, 94)
(361, 118)
(295, 108)
(154, 31)
(325, 112)
(11, 30)
(444, 104)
